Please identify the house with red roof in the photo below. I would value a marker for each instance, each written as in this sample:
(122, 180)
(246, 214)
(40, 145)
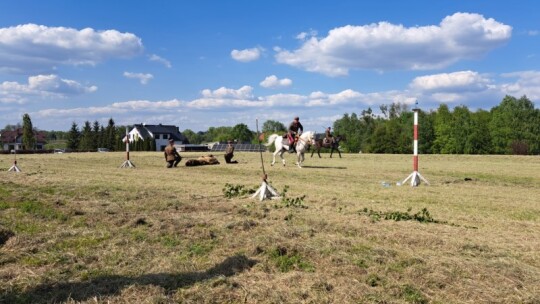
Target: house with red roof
(12, 140)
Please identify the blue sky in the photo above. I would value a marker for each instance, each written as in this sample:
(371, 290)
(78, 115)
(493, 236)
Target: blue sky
(197, 64)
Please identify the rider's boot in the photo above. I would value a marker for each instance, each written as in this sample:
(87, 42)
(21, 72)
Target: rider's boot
(291, 148)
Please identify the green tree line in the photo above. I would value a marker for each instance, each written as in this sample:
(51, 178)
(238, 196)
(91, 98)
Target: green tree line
(512, 127)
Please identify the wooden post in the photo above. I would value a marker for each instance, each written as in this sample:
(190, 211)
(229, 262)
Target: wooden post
(127, 163)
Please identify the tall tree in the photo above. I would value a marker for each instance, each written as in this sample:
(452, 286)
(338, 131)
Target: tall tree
(74, 137)
(28, 137)
(102, 137)
(96, 135)
(87, 138)
(110, 135)
(513, 122)
(444, 141)
(426, 131)
(119, 143)
(242, 133)
(368, 123)
(192, 137)
(350, 126)
(220, 134)
(461, 127)
(393, 135)
(479, 140)
(273, 126)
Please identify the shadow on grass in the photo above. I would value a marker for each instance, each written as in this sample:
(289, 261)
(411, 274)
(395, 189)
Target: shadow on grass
(323, 167)
(111, 285)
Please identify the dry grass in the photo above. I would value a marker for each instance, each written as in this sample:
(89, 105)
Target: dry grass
(76, 228)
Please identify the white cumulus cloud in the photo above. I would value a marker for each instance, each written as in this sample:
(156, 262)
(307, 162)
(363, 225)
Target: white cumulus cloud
(274, 82)
(245, 92)
(385, 46)
(45, 86)
(30, 47)
(246, 55)
(140, 105)
(463, 81)
(143, 78)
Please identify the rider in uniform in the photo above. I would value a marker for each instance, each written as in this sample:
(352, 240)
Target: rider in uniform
(295, 128)
(329, 138)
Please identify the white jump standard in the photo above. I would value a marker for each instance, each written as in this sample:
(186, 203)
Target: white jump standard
(265, 191)
(14, 168)
(127, 163)
(415, 177)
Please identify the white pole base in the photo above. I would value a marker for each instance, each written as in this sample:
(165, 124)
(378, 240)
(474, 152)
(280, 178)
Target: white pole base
(14, 168)
(127, 164)
(266, 191)
(416, 178)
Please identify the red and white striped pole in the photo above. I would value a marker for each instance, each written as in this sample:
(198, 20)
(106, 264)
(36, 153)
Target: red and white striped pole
(415, 141)
(415, 177)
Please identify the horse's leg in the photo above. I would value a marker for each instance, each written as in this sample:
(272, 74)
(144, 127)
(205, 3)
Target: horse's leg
(274, 158)
(338, 153)
(300, 159)
(319, 152)
(313, 151)
(282, 158)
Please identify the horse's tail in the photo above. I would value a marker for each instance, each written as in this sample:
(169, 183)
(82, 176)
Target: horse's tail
(271, 139)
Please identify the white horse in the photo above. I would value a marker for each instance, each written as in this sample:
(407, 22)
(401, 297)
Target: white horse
(304, 141)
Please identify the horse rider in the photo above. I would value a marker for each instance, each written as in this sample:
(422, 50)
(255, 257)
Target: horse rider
(295, 128)
(329, 138)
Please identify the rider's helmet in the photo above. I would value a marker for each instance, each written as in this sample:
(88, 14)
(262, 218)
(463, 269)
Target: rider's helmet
(296, 118)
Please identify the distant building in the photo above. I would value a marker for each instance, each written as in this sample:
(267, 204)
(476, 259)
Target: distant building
(12, 140)
(160, 133)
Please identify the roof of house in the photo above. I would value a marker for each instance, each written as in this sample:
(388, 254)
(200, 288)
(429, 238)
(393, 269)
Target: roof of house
(142, 131)
(11, 136)
(145, 131)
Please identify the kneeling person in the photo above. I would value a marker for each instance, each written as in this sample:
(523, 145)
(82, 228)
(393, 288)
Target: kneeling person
(172, 157)
(229, 153)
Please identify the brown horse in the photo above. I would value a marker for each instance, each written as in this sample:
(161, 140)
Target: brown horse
(320, 143)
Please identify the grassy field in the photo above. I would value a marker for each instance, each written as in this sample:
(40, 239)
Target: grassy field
(77, 228)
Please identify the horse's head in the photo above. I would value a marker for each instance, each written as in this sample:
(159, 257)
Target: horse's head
(308, 137)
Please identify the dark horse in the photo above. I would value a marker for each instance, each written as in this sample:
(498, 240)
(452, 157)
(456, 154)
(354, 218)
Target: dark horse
(321, 143)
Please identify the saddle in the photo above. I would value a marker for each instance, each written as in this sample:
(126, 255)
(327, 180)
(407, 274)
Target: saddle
(327, 143)
(286, 137)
